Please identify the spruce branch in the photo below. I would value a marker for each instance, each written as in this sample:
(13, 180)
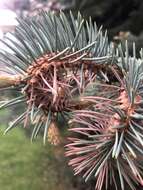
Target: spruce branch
(56, 57)
(107, 136)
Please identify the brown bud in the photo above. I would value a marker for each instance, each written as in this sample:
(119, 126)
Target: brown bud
(54, 136)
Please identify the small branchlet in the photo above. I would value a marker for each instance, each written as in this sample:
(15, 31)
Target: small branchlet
(59, 57)
(107, 137)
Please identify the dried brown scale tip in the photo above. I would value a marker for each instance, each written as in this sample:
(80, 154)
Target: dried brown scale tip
(67, 62)
(128, 109)
(125, 103)
(41, 86)
(51, 82)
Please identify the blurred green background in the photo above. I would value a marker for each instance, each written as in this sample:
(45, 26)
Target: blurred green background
(30, 166)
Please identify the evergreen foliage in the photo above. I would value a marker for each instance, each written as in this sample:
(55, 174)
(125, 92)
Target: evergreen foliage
(66, 68)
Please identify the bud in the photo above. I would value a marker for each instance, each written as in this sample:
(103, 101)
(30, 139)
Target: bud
(54, 136)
